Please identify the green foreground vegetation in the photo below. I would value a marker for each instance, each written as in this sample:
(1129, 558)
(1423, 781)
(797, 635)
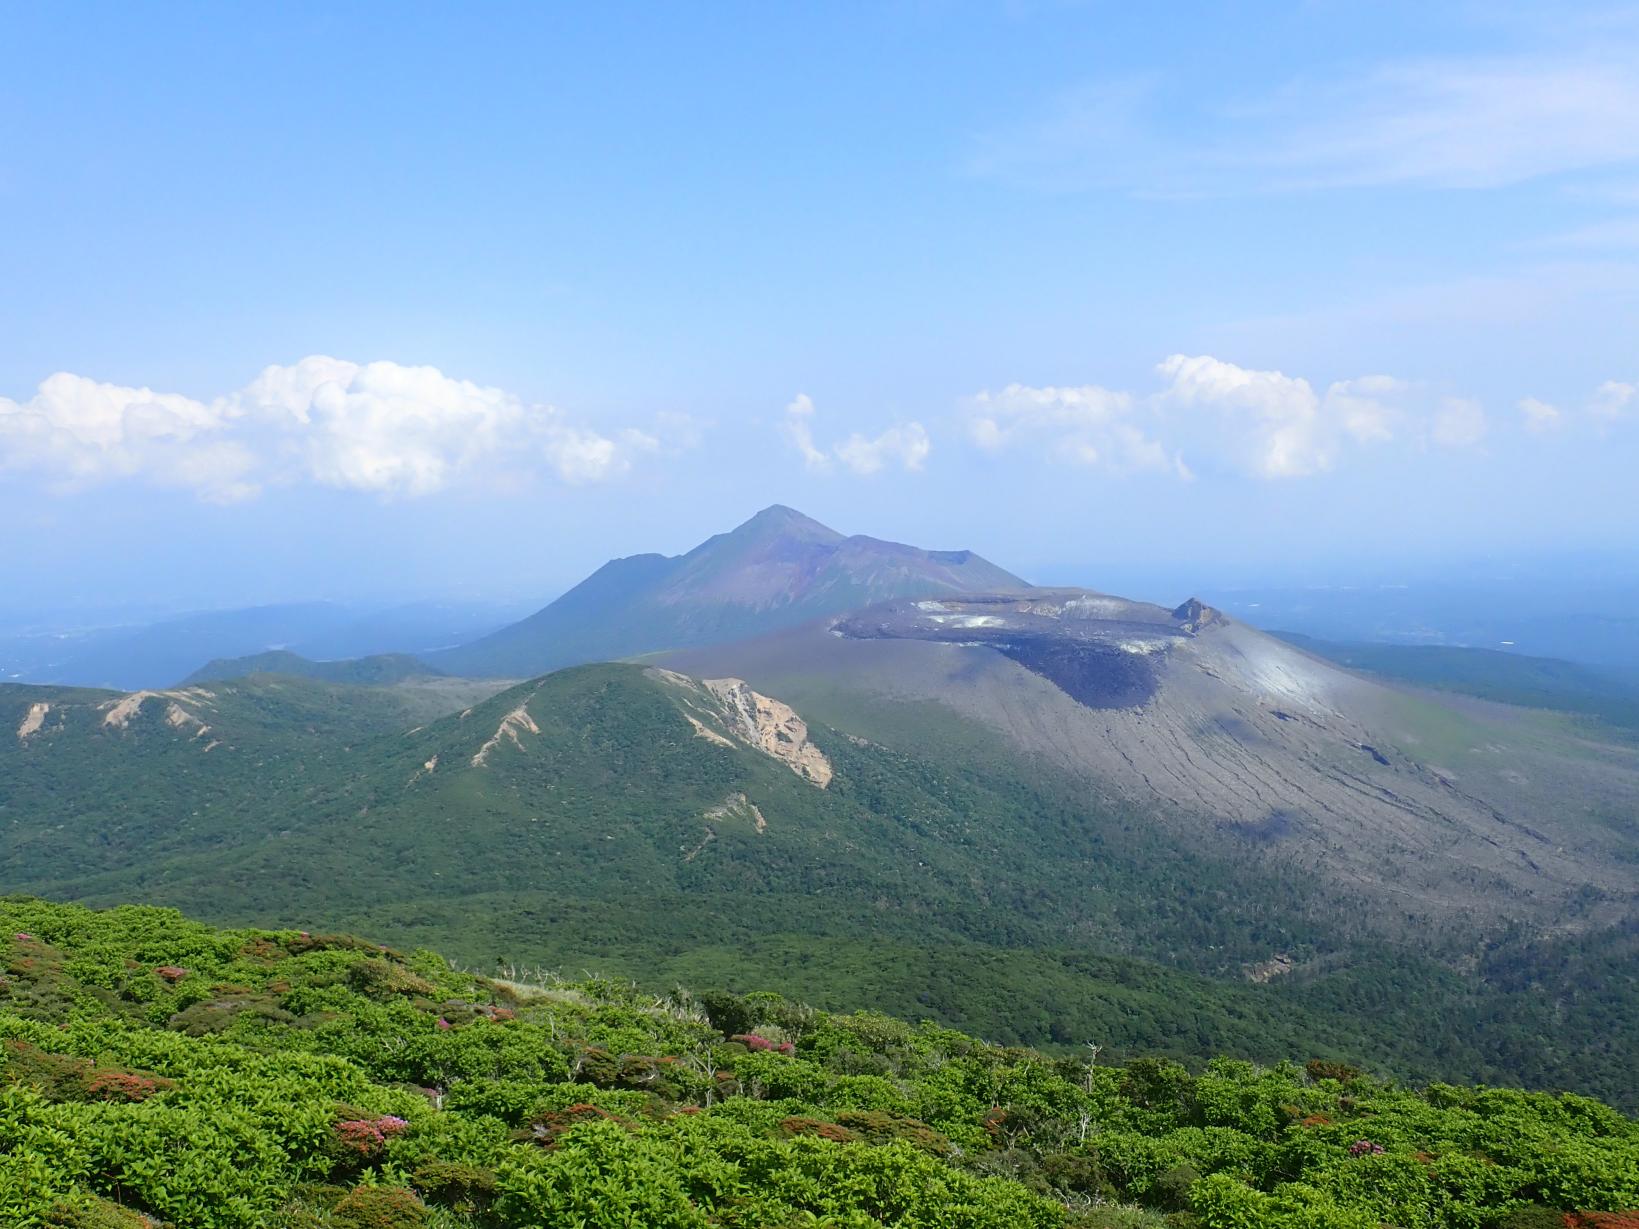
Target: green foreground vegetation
(154, 1070)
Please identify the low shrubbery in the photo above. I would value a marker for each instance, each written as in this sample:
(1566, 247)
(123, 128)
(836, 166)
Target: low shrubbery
(294, 1080)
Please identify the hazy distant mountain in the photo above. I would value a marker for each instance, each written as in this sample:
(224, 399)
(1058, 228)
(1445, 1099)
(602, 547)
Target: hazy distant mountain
(158, 654)
(778, 569)
(1563, 614)
(379, 670)
(1606, 693)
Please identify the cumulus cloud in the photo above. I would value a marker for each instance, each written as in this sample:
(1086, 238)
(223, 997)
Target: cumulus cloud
(381, 427)
(1090, 424)
(79, 431)
(1209, 414)
(1268, 421)
(905, 444)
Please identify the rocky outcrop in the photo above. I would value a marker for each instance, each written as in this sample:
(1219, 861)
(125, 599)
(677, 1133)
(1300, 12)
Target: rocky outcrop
(35, 718)
(1196, 614)
(772, 727)
(729, 713)
(738, 806)
(511, 725)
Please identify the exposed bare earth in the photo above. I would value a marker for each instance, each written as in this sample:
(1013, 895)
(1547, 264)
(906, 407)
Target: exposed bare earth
(773, 728)
(33, 720)
(727, 711)
(512, 724)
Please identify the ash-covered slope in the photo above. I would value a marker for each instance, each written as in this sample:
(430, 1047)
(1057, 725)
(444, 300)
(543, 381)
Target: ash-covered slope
(1435, 814)
(777, 570)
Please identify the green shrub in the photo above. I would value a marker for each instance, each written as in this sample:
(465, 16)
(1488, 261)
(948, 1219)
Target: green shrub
(379, 1207)
(330, 1101)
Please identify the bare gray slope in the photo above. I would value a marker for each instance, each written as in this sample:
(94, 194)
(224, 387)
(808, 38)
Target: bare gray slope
(1434, 812)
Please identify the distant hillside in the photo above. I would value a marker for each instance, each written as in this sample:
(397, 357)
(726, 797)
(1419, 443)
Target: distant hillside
(157, 654)
(380, 670)
(1489, 674)
(778, 569)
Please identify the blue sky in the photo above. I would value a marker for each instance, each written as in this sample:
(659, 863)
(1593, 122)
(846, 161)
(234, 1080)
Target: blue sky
(330, 301)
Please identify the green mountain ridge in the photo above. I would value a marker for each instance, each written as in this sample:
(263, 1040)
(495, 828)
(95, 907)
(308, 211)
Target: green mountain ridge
(379, 670)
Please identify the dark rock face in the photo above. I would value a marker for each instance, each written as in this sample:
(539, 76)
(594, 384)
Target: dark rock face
(1102, 652)
(1196, 614)
(1089, 674)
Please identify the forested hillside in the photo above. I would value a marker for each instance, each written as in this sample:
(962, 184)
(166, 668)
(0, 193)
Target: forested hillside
(155, 1071)
(951, 880)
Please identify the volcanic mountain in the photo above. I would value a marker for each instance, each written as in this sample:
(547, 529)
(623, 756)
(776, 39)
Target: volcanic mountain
(1433, 814)
(778, 569)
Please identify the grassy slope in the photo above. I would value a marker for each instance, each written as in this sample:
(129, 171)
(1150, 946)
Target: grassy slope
(153, 1070)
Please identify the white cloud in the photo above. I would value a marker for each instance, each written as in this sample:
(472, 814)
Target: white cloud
(1539, 416)
(1089, 424)
(379, 427)
(1213, 415)
(1268, 421)
(799, 415)
(78, 431)
(1608, 405)
(1452, 122)
(906, 444)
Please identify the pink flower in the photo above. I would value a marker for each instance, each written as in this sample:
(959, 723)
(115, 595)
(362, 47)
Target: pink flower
(23, 938)
(443, 1023)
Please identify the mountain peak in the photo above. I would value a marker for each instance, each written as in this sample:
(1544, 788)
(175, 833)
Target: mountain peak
(787, 522)
(778, 569)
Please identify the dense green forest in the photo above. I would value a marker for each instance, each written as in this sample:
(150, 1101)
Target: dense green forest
(953, 882)
(156, 1071)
